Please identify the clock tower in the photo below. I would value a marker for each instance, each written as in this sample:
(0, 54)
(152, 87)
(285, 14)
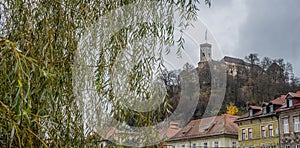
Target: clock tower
(205, 50)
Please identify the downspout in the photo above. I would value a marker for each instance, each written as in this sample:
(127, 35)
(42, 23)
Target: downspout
(279, 126)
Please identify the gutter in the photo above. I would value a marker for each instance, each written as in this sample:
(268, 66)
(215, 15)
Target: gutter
(196, 137)
(255, 117)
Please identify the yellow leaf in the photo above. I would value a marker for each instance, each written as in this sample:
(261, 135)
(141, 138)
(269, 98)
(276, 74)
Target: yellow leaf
(20, 84)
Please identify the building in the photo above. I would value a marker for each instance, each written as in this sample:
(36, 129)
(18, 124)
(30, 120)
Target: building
(289, 121)
(205, 51)
(235, 66)
(169, 132)
(217, 131)
(259, 127)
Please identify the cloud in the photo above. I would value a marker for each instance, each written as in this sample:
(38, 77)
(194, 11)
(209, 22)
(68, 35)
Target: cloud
(224, 19)
(272, 28)
(269, 28)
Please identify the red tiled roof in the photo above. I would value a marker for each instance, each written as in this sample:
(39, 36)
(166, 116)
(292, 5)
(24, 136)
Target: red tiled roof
(294, 95)
(208, 126)
(297, 95)
(171, 132)
(256, 107)
(258, 113)
(245, 115)
(279, 101)
(168, 132)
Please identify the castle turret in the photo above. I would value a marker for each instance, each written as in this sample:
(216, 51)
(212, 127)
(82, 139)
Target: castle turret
(205, 50)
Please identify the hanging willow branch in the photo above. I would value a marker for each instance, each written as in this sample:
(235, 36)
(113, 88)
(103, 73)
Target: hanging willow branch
(38, 40)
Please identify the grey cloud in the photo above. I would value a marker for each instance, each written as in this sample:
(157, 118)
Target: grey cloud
(272, 28)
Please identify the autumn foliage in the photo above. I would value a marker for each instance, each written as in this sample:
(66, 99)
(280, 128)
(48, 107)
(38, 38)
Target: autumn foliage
(231, 109)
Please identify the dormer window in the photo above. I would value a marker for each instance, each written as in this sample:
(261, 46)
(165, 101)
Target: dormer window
(271, 108)
(290, 102)
(264, 110)
(250, 112)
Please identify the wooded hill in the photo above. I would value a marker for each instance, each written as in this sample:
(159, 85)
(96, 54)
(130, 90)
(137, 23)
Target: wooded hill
(249, 82)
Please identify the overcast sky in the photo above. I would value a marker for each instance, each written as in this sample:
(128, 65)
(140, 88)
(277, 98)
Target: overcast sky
(267, 27)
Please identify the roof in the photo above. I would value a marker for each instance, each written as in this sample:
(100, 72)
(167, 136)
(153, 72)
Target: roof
(168, 132)
(255, 107)
(296, 95)
(205, 45)
(217, 125)
(296, 103)
(171, 132)
(279, 101)
(234, 60)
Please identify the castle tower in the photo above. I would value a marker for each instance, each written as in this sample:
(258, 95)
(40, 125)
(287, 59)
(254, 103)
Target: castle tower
(205, 50)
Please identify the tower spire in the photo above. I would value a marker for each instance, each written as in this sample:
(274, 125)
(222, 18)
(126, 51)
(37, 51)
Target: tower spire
(206, 35)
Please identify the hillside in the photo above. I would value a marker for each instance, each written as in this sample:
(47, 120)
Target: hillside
(249, 82)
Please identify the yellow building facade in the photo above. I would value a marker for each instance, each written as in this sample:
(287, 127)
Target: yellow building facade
(260, 132)
(259, 127)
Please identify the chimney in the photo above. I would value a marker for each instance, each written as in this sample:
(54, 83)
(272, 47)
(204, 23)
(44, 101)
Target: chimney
(174, 125)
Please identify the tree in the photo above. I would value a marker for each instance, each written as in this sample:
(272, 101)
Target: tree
(39, 41)
(252, 58)
(266, 62)
(231, 109)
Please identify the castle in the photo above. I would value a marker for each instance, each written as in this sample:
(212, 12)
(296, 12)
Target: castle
(233, 65)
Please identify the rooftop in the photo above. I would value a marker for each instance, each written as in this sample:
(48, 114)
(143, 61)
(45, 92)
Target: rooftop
(210, 126)
(234, 60)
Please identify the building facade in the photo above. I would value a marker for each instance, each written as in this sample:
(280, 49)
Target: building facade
(218, 131)
(289, 120)
(259, 127)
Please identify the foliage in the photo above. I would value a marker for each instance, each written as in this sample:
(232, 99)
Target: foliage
(38, 41)
(249, 83)
(232, 109)
(261, 82)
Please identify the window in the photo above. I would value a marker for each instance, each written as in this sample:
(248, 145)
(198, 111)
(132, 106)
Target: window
(290, 103)
(234, 144)
(271, 130)
(243, 134)
(249, 133)
(271, 108)
(286, 126)
(216, 144)
(296, 124)
(287, 146)
(250, 112)
(263, 132)
(194, 145)
(298, 146)
(264, 110)
(183, 145)
(205, 145)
